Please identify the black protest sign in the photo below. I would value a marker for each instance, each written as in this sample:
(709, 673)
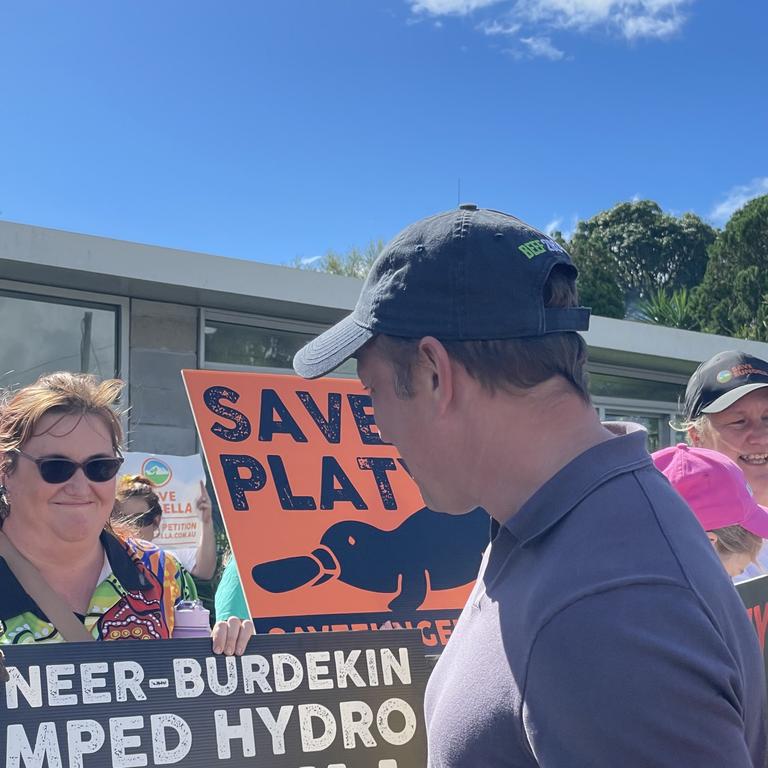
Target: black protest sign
(754, 594)
(300, 701)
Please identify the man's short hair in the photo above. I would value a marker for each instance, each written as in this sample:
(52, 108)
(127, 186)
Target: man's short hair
(507, 364)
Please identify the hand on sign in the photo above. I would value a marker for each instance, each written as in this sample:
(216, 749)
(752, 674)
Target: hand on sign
(203, 503)
(231, 636)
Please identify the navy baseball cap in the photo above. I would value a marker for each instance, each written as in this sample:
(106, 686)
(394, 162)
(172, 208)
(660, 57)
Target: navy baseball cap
(722, 380)
(466, 274)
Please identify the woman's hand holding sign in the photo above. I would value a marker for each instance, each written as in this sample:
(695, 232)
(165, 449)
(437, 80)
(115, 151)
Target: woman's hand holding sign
(231, 637)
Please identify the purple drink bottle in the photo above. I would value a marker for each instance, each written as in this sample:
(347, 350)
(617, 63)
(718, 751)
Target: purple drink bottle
(191, 619)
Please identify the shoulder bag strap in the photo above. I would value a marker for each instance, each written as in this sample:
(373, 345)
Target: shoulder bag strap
(50, 602)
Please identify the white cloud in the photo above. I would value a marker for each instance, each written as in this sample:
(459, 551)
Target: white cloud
(566, 229)
(498, 28)
(634, 27)
(541, 47)
(631, 19)
(309, 260)
(736, 198)
(449, 7)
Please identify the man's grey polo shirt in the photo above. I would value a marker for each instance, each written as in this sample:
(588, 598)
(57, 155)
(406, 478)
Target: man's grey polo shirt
(603, 632)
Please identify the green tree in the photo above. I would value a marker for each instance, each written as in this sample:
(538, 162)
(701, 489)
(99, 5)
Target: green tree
(597, 283)
(675, 309)
(352, 263)
(642, 249)
(733, 296)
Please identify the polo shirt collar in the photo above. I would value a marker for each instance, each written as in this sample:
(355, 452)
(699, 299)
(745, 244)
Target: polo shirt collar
(597, 465)
(14, 600)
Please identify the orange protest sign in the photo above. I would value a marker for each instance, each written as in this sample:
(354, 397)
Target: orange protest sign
(328, 529)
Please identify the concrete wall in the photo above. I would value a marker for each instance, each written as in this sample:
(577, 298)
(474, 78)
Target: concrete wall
(163, 340)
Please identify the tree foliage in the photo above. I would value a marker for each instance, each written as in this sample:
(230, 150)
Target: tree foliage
(597, 283)
(733, 296)
(641, 250)
(675, 309)
(355, 262)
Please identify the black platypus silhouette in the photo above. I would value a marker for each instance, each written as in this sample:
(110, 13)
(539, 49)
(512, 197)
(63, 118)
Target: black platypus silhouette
(428, 550)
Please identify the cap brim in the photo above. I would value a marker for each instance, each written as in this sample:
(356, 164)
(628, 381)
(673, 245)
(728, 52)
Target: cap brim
(729, 398)
(331, 348)
(757, 521)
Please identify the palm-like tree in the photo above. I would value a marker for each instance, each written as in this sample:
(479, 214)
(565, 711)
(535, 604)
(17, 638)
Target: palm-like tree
(674, 309)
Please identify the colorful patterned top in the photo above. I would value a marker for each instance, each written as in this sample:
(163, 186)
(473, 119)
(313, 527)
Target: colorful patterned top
(134, 600)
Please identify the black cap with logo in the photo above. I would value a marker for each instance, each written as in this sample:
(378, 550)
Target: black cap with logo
(466, 274)
(720, 381)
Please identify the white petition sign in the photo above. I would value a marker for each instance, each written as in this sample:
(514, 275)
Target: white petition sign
(177, 484)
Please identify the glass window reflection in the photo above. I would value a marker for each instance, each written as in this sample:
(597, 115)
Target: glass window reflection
(41, 335)
(254, 346)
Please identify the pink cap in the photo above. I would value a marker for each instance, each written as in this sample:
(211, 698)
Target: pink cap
(714, 487)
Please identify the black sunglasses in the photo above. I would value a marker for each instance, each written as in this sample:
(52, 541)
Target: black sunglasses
(57, 471)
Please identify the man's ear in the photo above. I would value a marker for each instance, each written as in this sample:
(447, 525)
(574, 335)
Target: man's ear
(712, 538)
(436, 371)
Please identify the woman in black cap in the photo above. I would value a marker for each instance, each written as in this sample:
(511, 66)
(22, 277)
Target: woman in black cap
(726, 410)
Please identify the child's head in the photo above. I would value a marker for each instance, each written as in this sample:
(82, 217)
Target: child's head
(138, 506)
(717, 491)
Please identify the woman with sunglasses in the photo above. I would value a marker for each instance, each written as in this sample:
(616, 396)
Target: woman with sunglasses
(59, 458)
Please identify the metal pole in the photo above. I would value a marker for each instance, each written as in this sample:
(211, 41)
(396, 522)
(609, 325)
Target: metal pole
(85, 342)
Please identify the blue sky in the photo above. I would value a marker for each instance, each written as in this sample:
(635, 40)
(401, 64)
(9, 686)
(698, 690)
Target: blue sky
(272, 131)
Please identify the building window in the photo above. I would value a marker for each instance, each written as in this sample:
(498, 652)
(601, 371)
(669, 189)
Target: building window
(609, 385)
(642, 399)
(251, 346)
(654, 425)
(246, 346)
(40, 335)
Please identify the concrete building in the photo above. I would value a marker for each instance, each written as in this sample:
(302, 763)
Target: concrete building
(77, 302)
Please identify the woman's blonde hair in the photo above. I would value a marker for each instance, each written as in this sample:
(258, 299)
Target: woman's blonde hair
(701, 423)
(63, 394)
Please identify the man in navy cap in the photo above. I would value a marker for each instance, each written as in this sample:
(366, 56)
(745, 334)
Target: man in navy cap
(602, 630)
